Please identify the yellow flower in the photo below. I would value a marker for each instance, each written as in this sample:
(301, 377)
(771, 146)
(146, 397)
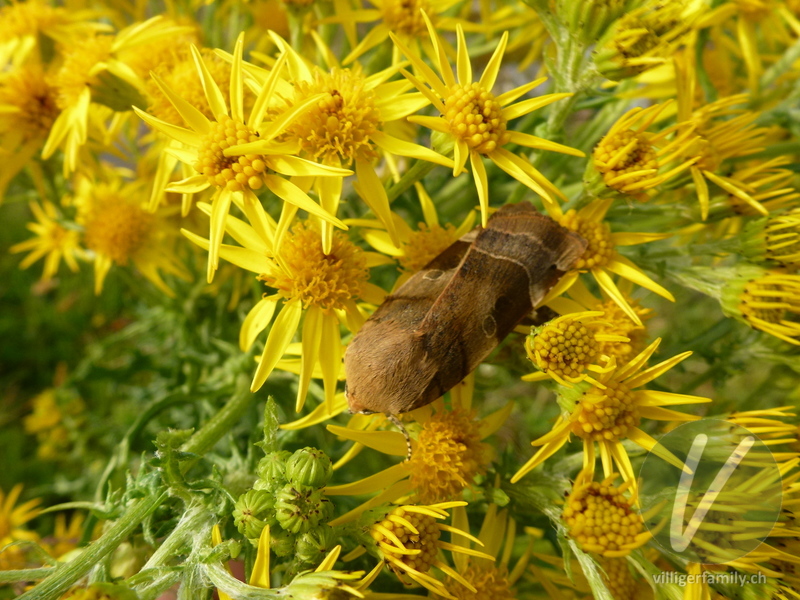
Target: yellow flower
(85, 65)
(644, 37)
(476, 119)
(27, 111)
(527, 34)
(346, 125)
(447, 451)
(763, 182)
(399, 17)
(722, 132)
(53, 241)
(320, 288)
(490, 579)
(565, 347)
(615, 321)
(601, 255)
(610, 411)
(323, 580)
(631, 160)
(765, 300)
(760, 27)
(118, 229)
(207, 148)
(417, 248)
(11, 521)
(408, 539)
(178, 71)
(21, 24)
(600, 517)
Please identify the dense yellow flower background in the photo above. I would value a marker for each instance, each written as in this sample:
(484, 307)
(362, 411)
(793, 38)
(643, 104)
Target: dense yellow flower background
(203, 202)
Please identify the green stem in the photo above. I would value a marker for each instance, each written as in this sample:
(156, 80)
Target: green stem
(209, 434)
(176, 540)
(66, 574)
(417, 171)
(25, 575)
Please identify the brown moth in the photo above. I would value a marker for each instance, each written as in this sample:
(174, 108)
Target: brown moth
(441, 323)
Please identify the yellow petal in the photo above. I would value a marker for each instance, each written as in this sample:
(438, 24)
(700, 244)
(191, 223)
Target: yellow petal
(493, 66)
(216, 101)
(374, 195)
(220, 205)
(527, 106)
(261, 568)
(656, 370)
(395, 145)
(610, 288)
(237, 88)
(489, 425)
(265, 95)
(190, 115)
(257, 320)
(184, 136)
(626, 269)
(531, 141)
(482, 183)
(280, 336)
(392, 443)
(289, 192)
(373, 483)
(330, 357)
(311, 338)
(463, 65)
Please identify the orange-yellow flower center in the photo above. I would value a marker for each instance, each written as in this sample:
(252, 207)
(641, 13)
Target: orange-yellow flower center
(605, 414)
(116, 227)
(447, 456)
(75, 73)
(405, 16)
(599, 248)
(337, 129)
(233, 172)
(618, 578)
(490, 583)
(616, 322)
(180, 73)
(475, 117)
(328, 281)
(424, 245)
(395, 539)
(599, 518)
(625, 158)
(564, 347)
(33, 100)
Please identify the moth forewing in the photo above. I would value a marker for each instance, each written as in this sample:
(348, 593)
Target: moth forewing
(439, 325)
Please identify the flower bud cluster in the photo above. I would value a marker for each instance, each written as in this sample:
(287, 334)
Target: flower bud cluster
(288, 497)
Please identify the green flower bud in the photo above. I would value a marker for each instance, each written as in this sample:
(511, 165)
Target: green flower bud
(281, 542)
(312, 546)
(310, 467)
(301, 508)
(271, 471)
(774, 240)
(253, 511)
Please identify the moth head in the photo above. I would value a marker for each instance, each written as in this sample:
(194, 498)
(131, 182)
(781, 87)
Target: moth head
(355, 408)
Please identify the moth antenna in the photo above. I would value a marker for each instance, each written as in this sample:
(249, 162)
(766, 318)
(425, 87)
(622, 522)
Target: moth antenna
(399, 424)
